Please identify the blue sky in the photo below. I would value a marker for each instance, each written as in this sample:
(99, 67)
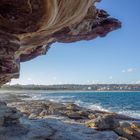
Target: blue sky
(113, 59)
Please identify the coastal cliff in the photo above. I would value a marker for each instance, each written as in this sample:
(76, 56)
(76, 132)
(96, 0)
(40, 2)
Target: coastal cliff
(29, 27)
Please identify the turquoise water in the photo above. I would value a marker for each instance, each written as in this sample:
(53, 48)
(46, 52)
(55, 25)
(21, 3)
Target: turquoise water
(127, 103)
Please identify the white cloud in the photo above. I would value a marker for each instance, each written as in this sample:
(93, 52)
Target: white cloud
(129, 70)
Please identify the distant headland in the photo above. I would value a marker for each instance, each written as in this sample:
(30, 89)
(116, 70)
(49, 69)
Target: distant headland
(76, 87)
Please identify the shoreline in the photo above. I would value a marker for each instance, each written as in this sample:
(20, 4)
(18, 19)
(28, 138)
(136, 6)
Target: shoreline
(63, 91)
(44, 119)
(32, 96)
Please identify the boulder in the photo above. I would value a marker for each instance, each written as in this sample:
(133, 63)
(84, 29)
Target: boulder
(103, 123)
(135, 125)
(126, 130)
(8, 116)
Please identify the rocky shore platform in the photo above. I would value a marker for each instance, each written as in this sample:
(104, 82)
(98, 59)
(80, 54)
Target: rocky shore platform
(25, 119)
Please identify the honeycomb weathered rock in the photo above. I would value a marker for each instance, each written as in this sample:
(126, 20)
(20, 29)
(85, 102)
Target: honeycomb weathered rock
(29, 27)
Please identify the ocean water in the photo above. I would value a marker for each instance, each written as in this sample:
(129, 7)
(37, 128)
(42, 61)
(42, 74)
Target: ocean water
(127, 103)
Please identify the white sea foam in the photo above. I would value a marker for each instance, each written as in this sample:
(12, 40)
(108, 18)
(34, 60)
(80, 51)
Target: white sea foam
(97, 107)
(130, 113)
(90, 105)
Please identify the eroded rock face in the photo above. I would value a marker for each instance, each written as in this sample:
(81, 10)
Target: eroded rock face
(29, 27)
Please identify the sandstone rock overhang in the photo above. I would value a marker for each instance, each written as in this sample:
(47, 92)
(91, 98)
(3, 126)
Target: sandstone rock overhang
(29, 27)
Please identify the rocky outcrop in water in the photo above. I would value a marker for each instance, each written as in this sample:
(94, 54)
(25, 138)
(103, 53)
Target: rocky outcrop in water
(70, 121)
(29, 27)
